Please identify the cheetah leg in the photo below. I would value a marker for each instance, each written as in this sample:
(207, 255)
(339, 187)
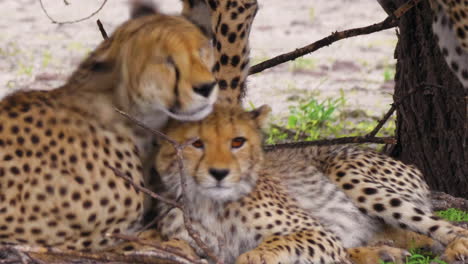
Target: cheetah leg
(374, 254)
(389, 245)
(399, 205)
(231, 22)
(407, 239)
(302, 247)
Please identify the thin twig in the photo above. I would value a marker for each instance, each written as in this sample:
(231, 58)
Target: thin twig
(102, 29)
(334, 141)
(178, 148)
(381, 122)
(143, 189)
(71, 21)
(154, 131)
(389, 22)
(160, 216)
(173, 253)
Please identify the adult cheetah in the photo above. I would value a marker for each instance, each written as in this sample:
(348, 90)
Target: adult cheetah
(55, 146)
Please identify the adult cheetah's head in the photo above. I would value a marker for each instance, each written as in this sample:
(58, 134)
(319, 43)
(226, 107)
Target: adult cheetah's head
(155, 65)
(223, 163)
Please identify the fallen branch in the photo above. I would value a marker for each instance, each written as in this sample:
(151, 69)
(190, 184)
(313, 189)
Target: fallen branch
(71, 21)
(134, 257)
(389, 22)
(334, 141)
(172, 253)
(178, 148)
(443, 201)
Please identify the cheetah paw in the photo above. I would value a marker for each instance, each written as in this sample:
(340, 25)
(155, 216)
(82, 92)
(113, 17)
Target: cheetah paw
(457, 251)
(372, 255)
(258, 257)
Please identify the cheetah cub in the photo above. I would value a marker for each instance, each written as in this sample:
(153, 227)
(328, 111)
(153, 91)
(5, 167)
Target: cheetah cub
(249, 209)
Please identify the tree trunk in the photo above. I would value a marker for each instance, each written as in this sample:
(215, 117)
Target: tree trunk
(432, 118)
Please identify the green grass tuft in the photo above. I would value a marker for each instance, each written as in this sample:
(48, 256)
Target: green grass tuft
(313, 119)
(453, 214)
(419, 256)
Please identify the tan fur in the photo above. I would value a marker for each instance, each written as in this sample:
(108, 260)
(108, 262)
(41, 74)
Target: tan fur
(251, 211)
(450, 28)
(55, 146)
(232, 214)
(229, 22)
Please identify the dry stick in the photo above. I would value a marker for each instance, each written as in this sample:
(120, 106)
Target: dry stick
(176, 255)
(139, 257)
(187, 221)
(389, 22)
(102, 30)
(143, 189)
(334, 141)
(178, 147)
(382, 122)
(389, 114)
(71, 21)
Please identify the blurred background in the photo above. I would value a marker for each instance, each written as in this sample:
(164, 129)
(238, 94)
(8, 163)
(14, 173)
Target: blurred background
(340, 90)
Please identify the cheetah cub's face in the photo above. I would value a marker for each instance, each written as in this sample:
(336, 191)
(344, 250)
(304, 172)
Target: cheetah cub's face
(223, 163)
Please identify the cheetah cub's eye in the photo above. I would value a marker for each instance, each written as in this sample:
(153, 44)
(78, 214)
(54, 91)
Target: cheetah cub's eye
(238, 142)
(198, 144)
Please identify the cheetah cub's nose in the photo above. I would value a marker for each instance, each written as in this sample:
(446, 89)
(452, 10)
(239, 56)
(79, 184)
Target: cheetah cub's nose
(219, 174)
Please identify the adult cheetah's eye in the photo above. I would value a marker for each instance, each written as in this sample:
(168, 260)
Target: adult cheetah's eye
(198, 144)
(238, 142)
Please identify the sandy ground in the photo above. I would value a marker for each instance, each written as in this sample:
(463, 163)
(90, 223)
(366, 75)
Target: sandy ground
(37, 54)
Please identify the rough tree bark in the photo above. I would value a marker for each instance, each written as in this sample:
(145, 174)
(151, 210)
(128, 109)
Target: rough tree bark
(432, 118)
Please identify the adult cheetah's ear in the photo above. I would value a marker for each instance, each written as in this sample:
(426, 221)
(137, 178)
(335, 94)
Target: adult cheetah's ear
(197, 12)
(260, 115)
(139, 8)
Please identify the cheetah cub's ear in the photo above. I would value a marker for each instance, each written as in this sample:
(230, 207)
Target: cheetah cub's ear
(139, 8)
(260, 115)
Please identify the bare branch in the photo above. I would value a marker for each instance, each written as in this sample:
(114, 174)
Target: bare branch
(170, 253)
(154, 131)
(134, 257)
(71, 21)
(179, 148)
(143, 189)
(334, 141)
(389, 22)
(381, 122)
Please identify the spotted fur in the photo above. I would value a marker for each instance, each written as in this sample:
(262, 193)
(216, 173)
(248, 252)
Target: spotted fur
(278, 204)
(56, 188)
(229, 23)
(450, 27)
(385, 189)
